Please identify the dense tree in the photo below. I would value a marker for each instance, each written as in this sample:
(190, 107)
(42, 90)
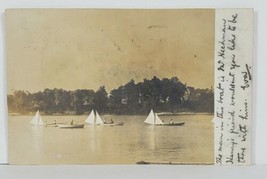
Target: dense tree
(63, 100)
(11, 101)
(22, 101)
(116, 100)
(82, 100)
(166, 95)
(161, 95)
(100, 100)
(199, 100)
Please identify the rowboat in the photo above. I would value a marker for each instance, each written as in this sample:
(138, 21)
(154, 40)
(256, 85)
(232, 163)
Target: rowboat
(70, 126)
(114, 124)
(174, 124)
(53, 124)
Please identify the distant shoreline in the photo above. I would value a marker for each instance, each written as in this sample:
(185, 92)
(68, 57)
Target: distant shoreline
(183, 113)
(160, 114)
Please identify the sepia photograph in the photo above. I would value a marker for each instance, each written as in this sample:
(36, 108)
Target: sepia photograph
(110, 86)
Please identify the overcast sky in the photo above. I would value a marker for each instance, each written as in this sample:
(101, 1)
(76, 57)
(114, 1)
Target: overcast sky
(86, 49)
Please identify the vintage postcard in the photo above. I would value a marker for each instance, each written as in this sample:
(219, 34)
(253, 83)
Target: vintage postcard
(128, 86)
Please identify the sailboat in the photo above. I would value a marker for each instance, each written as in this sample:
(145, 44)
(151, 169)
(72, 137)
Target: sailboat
(37, 120)
(154, 119)
(95, 119)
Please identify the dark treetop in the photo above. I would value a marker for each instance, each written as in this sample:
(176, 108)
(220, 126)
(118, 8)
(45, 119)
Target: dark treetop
(163, 95)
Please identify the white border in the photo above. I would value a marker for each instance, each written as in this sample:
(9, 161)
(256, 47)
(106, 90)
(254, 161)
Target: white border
(259, 90)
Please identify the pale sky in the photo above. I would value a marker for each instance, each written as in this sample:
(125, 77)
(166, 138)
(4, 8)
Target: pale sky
(86, 49)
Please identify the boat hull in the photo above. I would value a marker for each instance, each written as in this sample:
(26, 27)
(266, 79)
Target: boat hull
(107, 124)
(54, 125)
(175, 124)
(114, 124)
(51, 125)
(69, 126)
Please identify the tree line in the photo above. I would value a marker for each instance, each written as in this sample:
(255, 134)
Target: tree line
(162, 95)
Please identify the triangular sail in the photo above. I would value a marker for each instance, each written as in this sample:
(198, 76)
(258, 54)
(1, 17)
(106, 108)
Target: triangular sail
(150, 118)
(37, 119)
(158, 120)
(91, 118)
(98, 119)
(40, 122)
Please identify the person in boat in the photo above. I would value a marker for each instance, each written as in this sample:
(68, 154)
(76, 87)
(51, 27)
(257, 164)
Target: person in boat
(171, 122)
(71, 123)
(55, 122)
(104, 121)
(111, 121)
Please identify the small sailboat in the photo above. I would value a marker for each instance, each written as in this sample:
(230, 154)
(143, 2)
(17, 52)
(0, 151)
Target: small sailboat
(95, 119)
(91, 118)
(154, 119)
(37, 120)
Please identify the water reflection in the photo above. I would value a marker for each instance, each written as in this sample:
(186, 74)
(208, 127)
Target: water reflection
(94, 138)
(130, 143)
(36, 139)
(91, 138)
(150, 137)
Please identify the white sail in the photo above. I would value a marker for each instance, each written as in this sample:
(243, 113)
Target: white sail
(98, 119)
(91, 118)
(150, 118)
(158, 120)
(40, 122)
(37, 119)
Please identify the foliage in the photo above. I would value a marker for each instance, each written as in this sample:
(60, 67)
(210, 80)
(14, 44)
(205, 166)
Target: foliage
(166, 95)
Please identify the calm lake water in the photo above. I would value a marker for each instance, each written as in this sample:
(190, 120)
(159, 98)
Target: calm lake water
(134, 141)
